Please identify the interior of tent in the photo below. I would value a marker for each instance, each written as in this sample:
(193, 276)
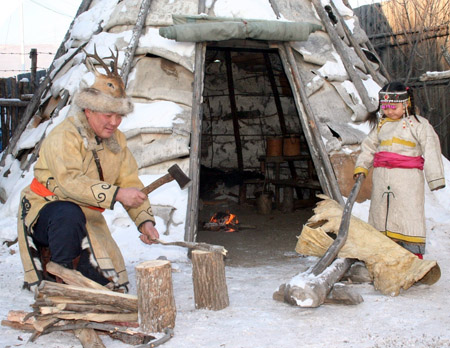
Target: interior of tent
(256, 172)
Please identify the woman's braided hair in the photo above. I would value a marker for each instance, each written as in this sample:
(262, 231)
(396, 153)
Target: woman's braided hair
(395, 86)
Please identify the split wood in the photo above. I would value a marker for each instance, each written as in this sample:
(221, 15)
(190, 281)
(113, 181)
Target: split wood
(85, 307)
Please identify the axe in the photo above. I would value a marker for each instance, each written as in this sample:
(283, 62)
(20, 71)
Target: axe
(174, 173)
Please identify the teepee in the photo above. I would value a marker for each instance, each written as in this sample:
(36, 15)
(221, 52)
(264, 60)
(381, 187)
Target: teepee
(211, 82)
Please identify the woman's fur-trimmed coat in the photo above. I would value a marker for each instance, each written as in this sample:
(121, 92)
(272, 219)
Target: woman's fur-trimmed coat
(66, 167)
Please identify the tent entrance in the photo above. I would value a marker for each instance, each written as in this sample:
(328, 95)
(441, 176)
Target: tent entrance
(255, 162)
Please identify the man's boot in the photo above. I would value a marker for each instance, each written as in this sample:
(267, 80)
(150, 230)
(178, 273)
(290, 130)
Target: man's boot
(86, 268)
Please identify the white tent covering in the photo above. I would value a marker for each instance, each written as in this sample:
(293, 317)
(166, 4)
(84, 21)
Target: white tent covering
(161, 85)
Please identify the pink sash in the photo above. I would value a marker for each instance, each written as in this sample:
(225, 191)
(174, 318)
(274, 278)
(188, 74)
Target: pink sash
(394, 160)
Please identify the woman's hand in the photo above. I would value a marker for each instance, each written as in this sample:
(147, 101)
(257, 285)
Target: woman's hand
(357, 175)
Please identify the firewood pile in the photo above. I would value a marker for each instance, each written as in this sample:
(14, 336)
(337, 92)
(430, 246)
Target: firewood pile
(84, 307)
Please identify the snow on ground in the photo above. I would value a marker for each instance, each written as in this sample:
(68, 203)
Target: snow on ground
(418, 317)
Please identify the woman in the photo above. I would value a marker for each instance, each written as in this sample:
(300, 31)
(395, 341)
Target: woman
(402, 148)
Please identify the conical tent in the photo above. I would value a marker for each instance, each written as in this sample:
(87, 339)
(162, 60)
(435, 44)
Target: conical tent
(215, 99)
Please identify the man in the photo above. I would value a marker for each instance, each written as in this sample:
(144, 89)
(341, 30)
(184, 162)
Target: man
(84, 167)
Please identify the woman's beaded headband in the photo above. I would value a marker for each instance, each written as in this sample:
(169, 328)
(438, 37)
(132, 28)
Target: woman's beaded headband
(393, 97)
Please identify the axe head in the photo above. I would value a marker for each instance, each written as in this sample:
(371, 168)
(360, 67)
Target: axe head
(177, 174)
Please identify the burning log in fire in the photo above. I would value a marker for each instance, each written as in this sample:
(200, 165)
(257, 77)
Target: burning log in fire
(221, 221)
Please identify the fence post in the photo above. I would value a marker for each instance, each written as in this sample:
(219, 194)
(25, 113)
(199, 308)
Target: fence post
(33, 56)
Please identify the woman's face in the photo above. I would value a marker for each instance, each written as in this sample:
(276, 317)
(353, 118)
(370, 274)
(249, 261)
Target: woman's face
(394, 111)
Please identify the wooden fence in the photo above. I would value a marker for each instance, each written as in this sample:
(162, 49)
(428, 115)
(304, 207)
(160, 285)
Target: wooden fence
(407, 54)
(15, 93)
(14, 96)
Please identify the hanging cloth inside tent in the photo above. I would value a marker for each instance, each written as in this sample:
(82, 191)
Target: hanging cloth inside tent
(205, 28)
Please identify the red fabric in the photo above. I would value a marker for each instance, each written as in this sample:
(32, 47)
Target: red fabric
(42, 191)
(394, 160)
(420, 256)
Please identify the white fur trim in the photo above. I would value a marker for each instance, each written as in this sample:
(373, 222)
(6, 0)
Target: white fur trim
(95, 100)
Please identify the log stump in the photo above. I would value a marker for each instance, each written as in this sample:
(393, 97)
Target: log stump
(208, 275)
(156, 304)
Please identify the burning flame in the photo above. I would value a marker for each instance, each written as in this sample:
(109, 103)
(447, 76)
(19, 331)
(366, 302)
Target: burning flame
(223, 221)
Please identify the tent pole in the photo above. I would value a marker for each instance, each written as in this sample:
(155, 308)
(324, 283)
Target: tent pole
(339, 46)
(237, 133)
(309, 123)
(190, 232)
(280, 113)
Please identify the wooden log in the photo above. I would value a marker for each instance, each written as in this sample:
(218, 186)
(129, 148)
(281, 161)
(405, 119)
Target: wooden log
(97, 317)
(19, 320)
(208, 275)
(88, 338)
(18, 325)
(112, 329)
(435, 75)
(156, 303)
(41, 323)
(92, 308)
(307, 290)
(107, 297)
(45, 300)
(72, 277)
(13, 102)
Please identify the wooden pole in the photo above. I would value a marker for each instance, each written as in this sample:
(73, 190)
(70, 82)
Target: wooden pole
(190, 232)
(208, 275)
(33, 57)
(280, 113)
(339, 46)
(308, 120)
(156, 304)
(133, 44)
(234, 113)
(356, 47)
(237, 135)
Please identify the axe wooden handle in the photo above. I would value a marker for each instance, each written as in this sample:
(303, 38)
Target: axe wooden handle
(198, 246)
(157, 183)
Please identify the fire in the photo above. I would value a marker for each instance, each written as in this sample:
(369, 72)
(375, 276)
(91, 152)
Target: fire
(223, 221)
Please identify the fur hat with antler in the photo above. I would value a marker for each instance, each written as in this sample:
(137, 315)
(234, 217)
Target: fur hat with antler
(107, 93)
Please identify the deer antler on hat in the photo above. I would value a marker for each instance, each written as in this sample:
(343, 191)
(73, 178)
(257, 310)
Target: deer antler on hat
(107, 93)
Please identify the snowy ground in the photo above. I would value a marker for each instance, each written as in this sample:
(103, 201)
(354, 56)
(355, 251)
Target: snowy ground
(418, 317)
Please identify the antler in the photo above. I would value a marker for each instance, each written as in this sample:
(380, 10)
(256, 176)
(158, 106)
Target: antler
(111, 83)
(110, 71)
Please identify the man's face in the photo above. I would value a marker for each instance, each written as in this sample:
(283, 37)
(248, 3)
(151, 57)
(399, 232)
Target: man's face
(104, 125)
